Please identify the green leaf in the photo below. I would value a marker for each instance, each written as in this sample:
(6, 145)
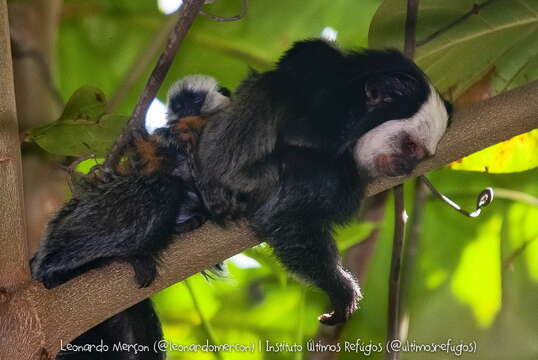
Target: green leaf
(502, 36)
(477, 279)
(87, 103)
(85, 166)
(352, 233)
(83, 128)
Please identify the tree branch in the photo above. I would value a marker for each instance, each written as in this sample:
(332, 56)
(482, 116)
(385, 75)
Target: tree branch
(411, 244)
(242, 13)
(14, 253)
(141, 63)
(400, 217)
(411, 28)
(473, 11)
(189, 11)
(393, 318)
(113, 289)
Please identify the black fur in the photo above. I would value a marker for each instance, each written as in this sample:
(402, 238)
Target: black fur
(281, 154)
(102, 225)
(137, 325)
(127, 215)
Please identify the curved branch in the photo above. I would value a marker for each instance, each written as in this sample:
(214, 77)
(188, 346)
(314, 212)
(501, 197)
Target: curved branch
(395, 278)
(475, 10)
(242, 13)
(188, 13)
(113, 289)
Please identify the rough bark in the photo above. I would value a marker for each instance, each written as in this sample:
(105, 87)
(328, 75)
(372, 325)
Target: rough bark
(13, 255)
(113, 290)
(33, 28)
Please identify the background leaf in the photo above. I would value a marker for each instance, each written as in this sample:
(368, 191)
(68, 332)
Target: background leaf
(502, 36)
(83, 128)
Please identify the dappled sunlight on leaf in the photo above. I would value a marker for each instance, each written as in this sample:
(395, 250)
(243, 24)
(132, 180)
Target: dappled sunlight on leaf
(519, 153)
(523, 237)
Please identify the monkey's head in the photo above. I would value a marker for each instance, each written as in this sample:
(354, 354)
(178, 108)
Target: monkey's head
(195, 95)
(377, 104)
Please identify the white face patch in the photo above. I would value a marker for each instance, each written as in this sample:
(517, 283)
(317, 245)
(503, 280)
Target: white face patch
(425, 128)
(202, 84)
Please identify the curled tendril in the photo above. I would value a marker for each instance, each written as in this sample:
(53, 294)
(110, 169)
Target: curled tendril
(483, 199)
(244, 8)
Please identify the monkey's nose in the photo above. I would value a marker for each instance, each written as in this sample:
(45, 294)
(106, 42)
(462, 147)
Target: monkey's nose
(395, 164)
(412, 149)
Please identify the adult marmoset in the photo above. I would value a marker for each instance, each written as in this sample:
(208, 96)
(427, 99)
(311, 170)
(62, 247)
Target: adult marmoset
(291, 152)
(295, 147)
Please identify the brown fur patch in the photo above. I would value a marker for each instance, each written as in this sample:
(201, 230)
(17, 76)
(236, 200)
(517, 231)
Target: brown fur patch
(189, 128)
(148, 155)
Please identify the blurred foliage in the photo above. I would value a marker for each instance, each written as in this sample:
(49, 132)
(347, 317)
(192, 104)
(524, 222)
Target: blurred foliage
(83, 128)
(473, 279)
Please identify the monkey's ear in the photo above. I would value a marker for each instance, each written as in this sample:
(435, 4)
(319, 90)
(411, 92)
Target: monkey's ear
(311, 56)
(383, 89)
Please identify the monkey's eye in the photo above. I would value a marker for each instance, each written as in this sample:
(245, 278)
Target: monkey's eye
(377, 98)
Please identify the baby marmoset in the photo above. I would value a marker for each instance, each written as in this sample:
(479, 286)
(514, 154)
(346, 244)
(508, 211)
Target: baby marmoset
(131, 215)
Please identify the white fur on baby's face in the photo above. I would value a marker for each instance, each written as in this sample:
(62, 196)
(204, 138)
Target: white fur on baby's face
(203, 84)
(200, 84)
(426, 128)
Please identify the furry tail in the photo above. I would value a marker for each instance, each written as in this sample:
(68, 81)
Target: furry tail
(129, 335)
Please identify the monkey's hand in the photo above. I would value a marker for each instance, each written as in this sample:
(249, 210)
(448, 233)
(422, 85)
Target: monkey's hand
(311, 253)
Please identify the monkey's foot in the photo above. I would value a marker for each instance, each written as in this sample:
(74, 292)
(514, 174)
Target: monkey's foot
(145, 270)
(344, 307)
